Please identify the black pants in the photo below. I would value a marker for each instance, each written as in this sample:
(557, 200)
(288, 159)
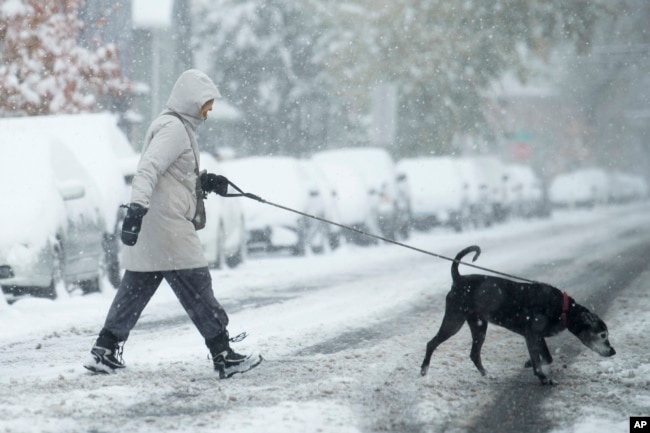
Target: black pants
(193, 288)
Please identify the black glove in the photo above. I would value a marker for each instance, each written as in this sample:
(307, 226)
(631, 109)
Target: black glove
(132, 223)
(215, 183)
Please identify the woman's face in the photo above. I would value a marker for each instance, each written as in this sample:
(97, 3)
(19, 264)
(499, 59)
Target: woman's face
(205, 108)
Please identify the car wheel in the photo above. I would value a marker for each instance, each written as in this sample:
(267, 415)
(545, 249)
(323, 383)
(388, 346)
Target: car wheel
(358, 238)
(221, 246)
(235, 259)
(57, 280)
(300, 249)
(302, 229)
(111, 259)
(319, 241)
(456, 221)
(405, 230)
(387, 226)
(50, 291)
(89, 286)
(334, 239)
(238, 257)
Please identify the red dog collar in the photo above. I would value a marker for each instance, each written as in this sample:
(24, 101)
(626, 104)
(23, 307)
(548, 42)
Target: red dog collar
(565, 309)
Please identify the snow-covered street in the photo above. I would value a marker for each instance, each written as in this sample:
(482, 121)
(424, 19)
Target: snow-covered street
(343, 336)
(323, 164)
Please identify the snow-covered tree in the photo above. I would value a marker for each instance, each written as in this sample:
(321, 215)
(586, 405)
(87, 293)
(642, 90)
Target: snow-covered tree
(264, 58)
(441, 55)
(43, 69)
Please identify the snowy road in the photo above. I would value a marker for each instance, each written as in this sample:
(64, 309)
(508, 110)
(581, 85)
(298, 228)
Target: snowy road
(343, 336)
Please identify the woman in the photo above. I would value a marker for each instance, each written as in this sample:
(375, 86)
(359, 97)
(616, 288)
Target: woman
(161, 237)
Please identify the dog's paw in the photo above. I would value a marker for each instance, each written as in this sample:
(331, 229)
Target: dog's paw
(423, 371)
(547, 382)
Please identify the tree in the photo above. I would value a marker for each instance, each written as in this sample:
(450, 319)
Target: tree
(444, 54)
(44, 70)
(263, 55)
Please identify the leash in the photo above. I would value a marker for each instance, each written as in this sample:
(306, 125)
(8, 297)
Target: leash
(361, 232)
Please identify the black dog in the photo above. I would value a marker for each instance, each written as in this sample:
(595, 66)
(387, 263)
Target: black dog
(533, 310)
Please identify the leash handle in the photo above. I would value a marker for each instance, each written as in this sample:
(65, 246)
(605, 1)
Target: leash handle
(381, 238)
(242, 193)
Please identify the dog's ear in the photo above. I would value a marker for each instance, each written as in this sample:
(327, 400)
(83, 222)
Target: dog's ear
(587, 317)
(580, 319)
(593, 322)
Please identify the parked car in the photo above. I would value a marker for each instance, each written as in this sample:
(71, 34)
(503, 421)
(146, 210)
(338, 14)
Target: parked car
(352, 201)
(224, 235)
(476, 193)
(626, 187)
(283, 181)
(330, 206)
(580, 188)
(51, 227)
(377, 169)
(438, 196)
(404, 219)
(525, 195)
(495, 176)
(93, 138)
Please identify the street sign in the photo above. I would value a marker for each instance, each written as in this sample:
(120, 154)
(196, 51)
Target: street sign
(521, 151)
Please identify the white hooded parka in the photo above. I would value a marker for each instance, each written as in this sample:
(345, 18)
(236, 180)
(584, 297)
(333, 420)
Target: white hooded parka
(165, 182)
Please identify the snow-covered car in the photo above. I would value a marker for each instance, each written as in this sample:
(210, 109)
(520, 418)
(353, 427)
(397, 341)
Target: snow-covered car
(352, 201)
(224, 235)
(283, 181)
(330, 206)
(476, 192)
(494, 172)
(93, 138)
(51, 228)
(437, 193)
(626, 187)
(377, 169)
(404, 217)
(525, 195)
(580, 188)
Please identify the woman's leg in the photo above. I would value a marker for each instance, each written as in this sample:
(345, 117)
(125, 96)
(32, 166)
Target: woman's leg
(193, 288)
(134, 293)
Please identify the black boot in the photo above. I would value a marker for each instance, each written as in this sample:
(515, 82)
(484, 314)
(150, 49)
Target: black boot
(106, 354)
(226, 361)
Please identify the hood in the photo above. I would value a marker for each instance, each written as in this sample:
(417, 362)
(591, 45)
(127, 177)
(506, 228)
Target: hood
(192, 89)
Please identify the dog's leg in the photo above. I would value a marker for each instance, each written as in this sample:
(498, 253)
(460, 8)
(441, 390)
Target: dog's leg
(451, 324)
(535, 345)
(547, 359)
(478, 326)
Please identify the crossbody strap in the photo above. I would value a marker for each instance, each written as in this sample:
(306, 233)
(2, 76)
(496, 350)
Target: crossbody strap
(193, 143)
(199, 216)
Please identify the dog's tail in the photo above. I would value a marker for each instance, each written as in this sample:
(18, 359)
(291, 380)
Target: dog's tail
(455, 275)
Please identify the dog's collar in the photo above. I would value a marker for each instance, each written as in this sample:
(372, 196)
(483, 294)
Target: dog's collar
(565, 309)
